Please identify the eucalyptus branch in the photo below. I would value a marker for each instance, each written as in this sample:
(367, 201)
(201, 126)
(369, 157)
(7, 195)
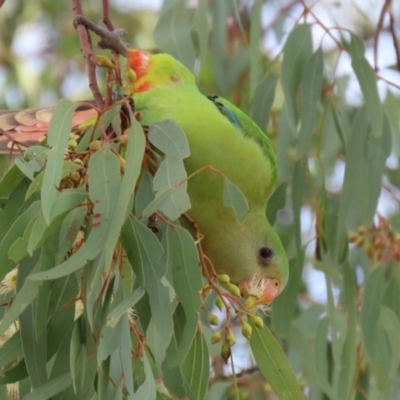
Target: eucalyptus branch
(86, 47)
(385, 8)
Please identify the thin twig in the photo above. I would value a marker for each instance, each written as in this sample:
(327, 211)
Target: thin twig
(384, 10)
(395, 43)
(90, 57)
(308, 10)
(108, 23)
(106, 15)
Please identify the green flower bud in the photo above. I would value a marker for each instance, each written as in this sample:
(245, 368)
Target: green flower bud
(219, 303)
(123, 139)
(95, 145)
(225, 352)
(224, 278)
(216, 337)
(213, 319)
(247, 330)
(230, 338)
(258, 322)
(72, 144)
(233, 289)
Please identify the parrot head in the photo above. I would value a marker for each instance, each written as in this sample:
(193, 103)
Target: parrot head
(155, 70)
(252, 255)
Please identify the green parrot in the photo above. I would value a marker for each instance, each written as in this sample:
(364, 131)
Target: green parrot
(220, 135)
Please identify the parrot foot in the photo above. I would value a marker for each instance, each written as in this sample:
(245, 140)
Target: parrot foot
(110, 40)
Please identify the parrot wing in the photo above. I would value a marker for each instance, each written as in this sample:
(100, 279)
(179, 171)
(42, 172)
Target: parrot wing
(249, 129)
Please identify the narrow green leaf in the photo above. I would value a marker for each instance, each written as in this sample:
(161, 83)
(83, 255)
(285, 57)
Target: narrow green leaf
(255, 40)
(320, 357)
(14, 208)
(170, 174)
(75, 350)
(169, 138)
(110, 338)
(144, 193)
(173, 375)
(155, 205)
(173, 34)
(296, 53)
(221, 11)
(147, 391)
(390, 323)
(16, 230)
(69, 229)
(373, 294)
(14, 374)
(131, 247)
(10, 180)
(155, 284)
(347, 369)
(134, 157)
(67, 200)
(233, 197)
(126, 361)
(263, 99)
(311, 93)
(57, 139)
(201, 29)
(366, 78)
(183, 261)
(276, 202)
(19, 248)
(10, 351)
(50, 388)
(35, 351)
(115, 314)
(365, 163)
(334, 321)
(298, 188)
(273, 364)
(196, 367)
(285, 306)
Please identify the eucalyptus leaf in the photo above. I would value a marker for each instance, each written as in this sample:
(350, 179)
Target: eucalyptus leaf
(273, 364)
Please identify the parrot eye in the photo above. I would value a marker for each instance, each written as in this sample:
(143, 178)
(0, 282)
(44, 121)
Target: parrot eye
(264, 255)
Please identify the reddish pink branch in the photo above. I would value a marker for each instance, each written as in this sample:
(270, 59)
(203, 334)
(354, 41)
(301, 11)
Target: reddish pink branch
(395, 43)
(384, 10)
(86, 47)
(106, 15)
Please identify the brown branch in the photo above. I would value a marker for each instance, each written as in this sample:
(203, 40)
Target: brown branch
(384, 10)
(106, 15)
(86, 47)
(110, 40)
(395, 43)
(108, 23)
(380, 77)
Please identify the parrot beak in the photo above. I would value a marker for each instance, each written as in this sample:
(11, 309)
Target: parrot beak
(259, 290)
